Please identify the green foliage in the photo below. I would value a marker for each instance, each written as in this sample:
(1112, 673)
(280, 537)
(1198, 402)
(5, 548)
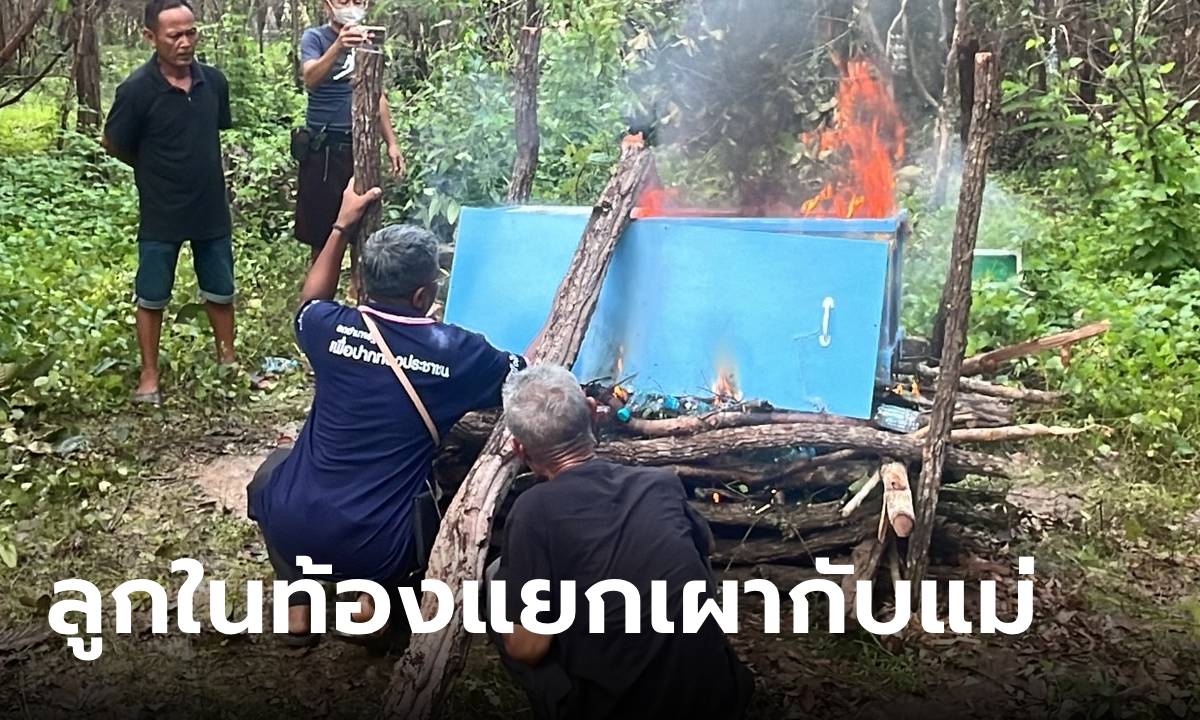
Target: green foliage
(68, 353)
(1142, 378)
(29, 125)
(457, 124)
(1128, 159)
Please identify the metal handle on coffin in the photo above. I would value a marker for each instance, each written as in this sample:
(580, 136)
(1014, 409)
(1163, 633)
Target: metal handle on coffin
(827, 305)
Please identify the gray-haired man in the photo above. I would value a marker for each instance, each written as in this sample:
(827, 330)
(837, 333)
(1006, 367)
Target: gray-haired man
(343, 496)
(593, 520)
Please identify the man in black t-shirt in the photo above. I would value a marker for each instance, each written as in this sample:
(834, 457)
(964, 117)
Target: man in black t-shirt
(593, 520)
(165, 123)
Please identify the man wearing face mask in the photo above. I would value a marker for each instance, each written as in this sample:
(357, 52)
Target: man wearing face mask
(324, 147)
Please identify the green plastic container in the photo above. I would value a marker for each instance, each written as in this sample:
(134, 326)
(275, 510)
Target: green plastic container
(995, 264)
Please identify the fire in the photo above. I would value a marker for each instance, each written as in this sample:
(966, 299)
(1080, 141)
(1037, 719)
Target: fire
(867, 138)
(725, 387)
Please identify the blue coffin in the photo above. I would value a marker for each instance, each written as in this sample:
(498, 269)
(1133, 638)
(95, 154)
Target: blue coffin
(803, 313)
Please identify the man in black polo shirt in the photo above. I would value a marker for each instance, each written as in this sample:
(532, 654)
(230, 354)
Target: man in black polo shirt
(165, 123)
(593, 520)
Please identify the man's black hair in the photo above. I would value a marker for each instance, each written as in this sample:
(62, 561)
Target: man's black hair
(154, 8)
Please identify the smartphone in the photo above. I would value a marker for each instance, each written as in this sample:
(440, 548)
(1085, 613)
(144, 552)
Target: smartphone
(376, 35)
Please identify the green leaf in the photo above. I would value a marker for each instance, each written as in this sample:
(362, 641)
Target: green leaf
(8, 554)
(1166, 68)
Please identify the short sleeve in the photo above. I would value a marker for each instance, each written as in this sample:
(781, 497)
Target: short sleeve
(124, 126)
(315, 322)
(525, 558)
(311, 47)
(225, 121)
(489, 371)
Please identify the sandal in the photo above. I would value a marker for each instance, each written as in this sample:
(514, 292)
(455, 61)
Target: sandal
(300, 640)
(372, 640)
(154, 397)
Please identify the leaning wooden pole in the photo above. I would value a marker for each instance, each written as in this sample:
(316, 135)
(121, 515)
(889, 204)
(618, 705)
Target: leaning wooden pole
(423, 677)
(956, 302)
(368, 86)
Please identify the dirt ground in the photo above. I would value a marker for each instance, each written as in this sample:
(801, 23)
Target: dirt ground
(1092, 651)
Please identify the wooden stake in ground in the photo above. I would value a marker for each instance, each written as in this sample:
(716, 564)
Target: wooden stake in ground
(368, 86)
(526, 75)
(424, 675)
(956, 301)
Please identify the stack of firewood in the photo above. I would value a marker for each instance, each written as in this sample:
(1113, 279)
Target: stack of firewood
(787, 487)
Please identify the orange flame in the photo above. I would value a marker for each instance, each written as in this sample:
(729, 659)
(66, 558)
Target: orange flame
(725, 386)
(868, 138)
(864, 145)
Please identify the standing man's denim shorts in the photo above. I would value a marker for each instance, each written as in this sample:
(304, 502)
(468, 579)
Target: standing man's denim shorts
(213, 261)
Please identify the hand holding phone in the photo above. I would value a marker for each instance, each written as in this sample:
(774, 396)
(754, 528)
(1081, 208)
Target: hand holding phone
(375, 35)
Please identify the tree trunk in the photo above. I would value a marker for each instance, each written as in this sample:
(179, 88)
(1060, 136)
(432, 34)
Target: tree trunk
(86, 70)
(18, 38)
(956, 298)
(424, 675)
(968, 47)
(294, 15)
(526, 77)
(942, 130)
(368, 86)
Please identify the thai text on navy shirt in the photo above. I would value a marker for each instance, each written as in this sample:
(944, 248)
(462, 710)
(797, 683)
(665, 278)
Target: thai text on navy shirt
(330, 102)
(343, 496)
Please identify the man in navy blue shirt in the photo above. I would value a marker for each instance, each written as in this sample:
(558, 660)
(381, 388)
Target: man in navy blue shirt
(327, 64)
(343, 495)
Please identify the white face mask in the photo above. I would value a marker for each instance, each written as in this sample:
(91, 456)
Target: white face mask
(350, 15)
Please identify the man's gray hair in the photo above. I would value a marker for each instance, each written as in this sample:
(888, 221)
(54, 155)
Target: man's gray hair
(397, 260)
(545, 409)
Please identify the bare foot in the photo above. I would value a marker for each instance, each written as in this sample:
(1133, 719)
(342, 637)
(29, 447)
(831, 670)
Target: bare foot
(366, 608)
(147, 382)
(299, 619)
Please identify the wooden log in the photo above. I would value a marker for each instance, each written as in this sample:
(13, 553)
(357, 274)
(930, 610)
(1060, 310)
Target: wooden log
(526, 76)
(956, 301)
(1006, 392)
(367, 88)
(717, 420)
(897, 498)
(423, 676)
(865, 557)
(1013, 432)
(791, 520)
(992, 360)
(715, 443)
(800, 551)
(1005, 433)
(861, 495)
